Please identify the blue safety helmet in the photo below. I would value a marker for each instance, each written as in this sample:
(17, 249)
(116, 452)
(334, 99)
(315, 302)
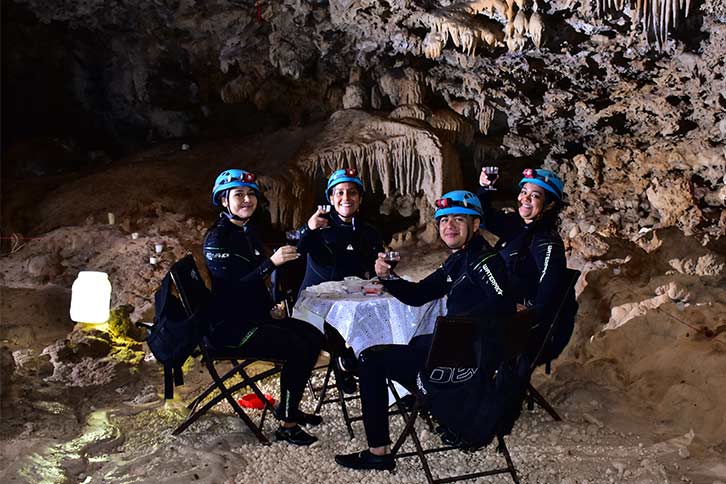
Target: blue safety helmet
(231, 179)
(545, 179)
(341, 176)
(458, 202)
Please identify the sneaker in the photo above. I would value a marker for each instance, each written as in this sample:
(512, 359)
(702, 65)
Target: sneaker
(308, 419)
(365, 460)
(295, 436)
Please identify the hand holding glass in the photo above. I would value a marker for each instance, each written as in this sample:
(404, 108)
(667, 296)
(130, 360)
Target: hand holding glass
(492, 173)
(391, 258)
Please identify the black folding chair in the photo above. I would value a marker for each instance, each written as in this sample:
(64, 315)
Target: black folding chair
(194, 293)
(533, 396)
(450, 348)
(342, 399)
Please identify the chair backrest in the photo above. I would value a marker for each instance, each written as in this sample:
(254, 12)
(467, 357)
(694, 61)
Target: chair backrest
(567, 296)
(451, 346)
(189, 284)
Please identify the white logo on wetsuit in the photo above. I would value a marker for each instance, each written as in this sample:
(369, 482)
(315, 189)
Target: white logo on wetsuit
(350, 247)
(212, 255)
(444, 374)
(493, 281)
(257, 252)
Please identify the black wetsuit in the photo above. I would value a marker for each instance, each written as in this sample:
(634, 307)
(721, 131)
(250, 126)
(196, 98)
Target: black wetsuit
(535, 257)
(475, 281)
(339, 251)
(241, 301)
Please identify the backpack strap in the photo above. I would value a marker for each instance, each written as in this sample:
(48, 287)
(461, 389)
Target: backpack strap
(173, 377)
(168, 382)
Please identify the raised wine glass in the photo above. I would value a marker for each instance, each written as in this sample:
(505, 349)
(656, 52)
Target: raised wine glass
(492, 173)
(391, 258)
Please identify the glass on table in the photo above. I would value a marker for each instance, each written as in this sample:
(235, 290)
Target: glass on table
(492, 173)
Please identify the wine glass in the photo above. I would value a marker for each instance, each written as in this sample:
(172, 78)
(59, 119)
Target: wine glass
(293, 236)
(391, 258)
(492, 173)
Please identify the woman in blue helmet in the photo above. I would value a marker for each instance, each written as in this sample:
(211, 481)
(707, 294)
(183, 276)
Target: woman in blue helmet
(533, 250)
(475, 282)
(338, 245)
(238, 266)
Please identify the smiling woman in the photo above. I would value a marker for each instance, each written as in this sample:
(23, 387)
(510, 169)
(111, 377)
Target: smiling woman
(241, 301)
(532, 248)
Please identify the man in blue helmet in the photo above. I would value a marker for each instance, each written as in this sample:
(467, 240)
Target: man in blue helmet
(474, 280)
(530, 243)
(241, 306)
(339, 245)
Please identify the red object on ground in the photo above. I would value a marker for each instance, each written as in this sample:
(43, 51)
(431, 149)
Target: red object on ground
(251, 400)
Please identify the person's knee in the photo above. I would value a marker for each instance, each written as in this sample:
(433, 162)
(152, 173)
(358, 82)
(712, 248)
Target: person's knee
(372, 361)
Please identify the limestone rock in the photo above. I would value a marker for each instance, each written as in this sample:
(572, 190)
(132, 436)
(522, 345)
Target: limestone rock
(673, 200)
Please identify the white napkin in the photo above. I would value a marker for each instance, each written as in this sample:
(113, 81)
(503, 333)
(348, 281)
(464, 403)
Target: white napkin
(329, 287)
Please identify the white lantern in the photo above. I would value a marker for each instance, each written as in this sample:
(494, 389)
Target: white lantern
(91, 297)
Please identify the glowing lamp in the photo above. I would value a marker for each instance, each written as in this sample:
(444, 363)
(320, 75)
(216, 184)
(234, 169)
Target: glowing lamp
(91, 298)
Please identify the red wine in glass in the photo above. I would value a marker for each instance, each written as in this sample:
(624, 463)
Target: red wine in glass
(492, 173)
(292, 236)
(391, 258)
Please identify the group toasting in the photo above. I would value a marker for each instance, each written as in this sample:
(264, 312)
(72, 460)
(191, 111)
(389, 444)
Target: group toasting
(489, 285)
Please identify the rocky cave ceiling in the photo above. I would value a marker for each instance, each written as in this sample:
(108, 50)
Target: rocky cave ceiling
(626, 97)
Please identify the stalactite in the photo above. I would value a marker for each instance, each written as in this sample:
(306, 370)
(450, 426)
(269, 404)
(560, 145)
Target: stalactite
(389, 155)
(536, 27)
(656, 17)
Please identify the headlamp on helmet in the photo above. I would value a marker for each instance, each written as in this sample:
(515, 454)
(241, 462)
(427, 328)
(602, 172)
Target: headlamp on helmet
(545, 179)
(343, 175)
(458, 202)
(231, 179)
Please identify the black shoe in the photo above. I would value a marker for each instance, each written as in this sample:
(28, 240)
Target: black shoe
(295, 435)
(365, 460)
(299, 417)
(308, 419)
(344, 379)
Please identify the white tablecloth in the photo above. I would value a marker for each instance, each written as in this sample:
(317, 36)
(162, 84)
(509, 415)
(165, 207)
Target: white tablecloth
(366, 321)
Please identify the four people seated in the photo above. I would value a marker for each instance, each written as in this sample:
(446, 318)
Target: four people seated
(525, 270)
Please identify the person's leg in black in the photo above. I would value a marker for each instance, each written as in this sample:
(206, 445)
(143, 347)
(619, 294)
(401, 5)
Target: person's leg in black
(298, 348)
(343, 359)
(397, 362)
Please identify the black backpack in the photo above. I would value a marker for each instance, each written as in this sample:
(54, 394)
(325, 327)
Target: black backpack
(473, 405)
(179, 322)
